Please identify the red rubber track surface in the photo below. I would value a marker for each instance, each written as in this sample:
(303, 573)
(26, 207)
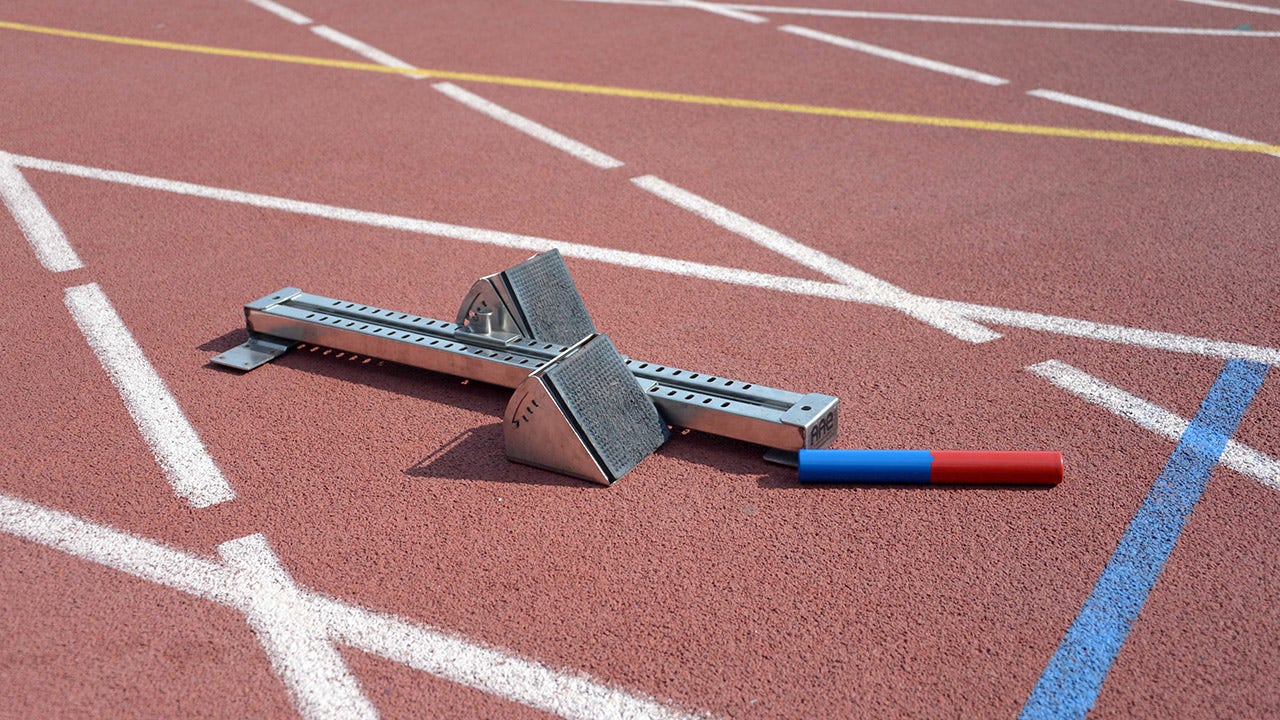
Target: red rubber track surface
(705, 578)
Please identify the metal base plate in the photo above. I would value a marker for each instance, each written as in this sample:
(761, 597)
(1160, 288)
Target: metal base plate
(699, 401)
(256, 352)
(788, 458)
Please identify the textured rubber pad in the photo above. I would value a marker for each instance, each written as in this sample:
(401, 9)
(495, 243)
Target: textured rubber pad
(546, 296)
(600, 394)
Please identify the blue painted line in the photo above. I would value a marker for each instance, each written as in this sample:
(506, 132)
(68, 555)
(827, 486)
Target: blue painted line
(1069, 686)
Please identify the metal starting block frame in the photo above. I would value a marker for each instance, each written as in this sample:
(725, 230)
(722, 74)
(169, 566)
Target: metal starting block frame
(486, 345)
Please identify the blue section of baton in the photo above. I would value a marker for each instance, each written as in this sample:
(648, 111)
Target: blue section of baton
(865, 466)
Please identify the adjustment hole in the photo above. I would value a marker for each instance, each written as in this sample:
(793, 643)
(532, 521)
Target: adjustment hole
(805, 408)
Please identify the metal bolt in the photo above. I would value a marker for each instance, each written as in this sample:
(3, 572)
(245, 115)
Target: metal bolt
(482, 323)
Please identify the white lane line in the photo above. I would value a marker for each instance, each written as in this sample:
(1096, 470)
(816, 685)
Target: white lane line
(529, 127)
(175, 444)
(1237, 6)
(1149, 416)
(47, 240)
(901, 57)
(493, 671)
(283, 12)
(955, 20)
(721, 10)
(295, 638)
(475, 102)
(359, 48)
(106, 546)
(999, 22)
(1118, 334)
(533, 129)
(1088, 329)
(891, 295)
(516, 121)
(1140, 117)
(567, 693)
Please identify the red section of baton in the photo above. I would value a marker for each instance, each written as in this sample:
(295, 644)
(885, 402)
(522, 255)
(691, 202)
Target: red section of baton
(978, 466)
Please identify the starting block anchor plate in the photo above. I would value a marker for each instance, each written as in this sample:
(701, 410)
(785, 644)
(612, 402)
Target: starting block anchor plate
(258, 351)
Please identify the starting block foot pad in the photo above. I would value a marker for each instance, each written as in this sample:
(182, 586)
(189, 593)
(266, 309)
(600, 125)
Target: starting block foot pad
(536, 299)
(583, 414)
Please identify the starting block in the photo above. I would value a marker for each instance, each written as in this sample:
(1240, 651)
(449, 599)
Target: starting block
(580, 407)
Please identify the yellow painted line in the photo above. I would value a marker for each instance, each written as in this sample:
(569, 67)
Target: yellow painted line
(686, 98)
